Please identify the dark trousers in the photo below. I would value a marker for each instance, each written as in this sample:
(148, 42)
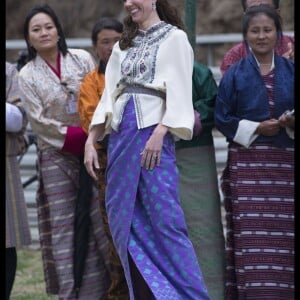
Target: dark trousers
(10, 271)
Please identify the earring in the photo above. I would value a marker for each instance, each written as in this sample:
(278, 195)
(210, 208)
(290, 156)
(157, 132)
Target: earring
(153, 5)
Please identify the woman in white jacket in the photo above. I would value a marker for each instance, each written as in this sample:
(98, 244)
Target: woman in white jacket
(146, 106)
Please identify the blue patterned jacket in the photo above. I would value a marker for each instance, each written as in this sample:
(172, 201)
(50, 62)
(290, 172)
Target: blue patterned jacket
(242, 95)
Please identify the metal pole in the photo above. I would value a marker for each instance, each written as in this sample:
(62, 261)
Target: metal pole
(190, 20)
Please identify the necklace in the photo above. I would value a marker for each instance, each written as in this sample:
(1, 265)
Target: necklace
(265, 68)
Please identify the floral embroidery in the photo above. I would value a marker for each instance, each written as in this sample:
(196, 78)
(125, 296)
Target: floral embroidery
(138, 67)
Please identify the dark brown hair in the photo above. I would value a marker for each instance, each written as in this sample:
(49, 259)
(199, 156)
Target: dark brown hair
(105, 23)
(46, 9)
(265, 9)
(166, 13)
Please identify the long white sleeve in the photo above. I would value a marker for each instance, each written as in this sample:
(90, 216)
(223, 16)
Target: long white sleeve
(168, 68)
(245, 134)
(14, 118)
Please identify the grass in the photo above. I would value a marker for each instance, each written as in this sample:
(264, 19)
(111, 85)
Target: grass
(29, 281)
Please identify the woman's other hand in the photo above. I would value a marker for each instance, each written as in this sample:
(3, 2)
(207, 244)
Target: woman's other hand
(90, 153)
(268, 128)
(91, 159)
(152, 151)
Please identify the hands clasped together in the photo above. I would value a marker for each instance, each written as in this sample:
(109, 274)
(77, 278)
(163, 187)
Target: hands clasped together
(271, 127)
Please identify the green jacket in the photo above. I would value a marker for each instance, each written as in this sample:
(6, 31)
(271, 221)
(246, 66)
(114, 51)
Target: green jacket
(204, 96)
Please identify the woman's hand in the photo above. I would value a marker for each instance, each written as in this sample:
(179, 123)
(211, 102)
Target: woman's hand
(268, 128)
(90, 154)
(91, 159)
(151, 153)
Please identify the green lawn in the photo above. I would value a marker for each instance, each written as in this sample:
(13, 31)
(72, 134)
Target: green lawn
(29, 282)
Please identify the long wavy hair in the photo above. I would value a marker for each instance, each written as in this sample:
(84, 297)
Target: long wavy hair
(166, 13)
(46, 9)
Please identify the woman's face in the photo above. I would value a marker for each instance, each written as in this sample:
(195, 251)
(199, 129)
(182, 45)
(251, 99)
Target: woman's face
(106, 39)
(42, 33)
(141, 12)
(261, 34)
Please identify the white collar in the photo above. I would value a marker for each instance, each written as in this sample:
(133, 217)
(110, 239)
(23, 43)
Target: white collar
(272, 65)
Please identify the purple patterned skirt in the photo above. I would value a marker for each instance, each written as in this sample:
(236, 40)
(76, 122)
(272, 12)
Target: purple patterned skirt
(145, 215)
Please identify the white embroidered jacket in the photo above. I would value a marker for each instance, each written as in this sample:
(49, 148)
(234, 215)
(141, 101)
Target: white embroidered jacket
(161, 59)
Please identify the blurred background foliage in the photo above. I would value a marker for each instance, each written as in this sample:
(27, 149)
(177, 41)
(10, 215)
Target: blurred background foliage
(79, 16)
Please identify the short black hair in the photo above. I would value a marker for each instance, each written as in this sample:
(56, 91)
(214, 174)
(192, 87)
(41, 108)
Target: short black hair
(275, 2)
(46, 9)
(105, 23)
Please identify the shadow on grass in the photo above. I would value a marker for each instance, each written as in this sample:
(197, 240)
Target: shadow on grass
(29, 282)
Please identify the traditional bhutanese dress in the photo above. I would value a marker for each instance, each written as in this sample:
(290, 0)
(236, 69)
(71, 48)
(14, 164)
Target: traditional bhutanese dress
(198, 186)
(258, 181)
(17, 231)
(147, 84)
(50, 102)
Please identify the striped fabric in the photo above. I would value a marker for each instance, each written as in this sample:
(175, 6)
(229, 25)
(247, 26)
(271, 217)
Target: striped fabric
(17, 232)
(259, 203)
(258, 187)
(58, 186)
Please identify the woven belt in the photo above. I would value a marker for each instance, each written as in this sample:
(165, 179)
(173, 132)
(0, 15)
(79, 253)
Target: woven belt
(143, 90)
